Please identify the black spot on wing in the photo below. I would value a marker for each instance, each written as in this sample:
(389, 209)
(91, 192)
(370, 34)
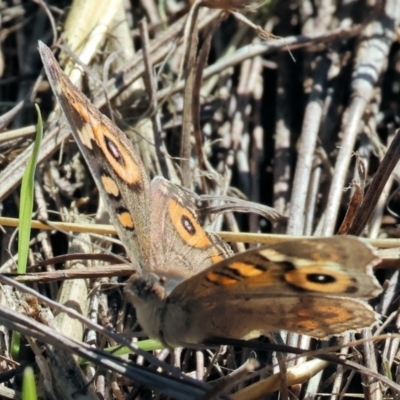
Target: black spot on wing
(322, 279)
(188, 225)
(113, 150)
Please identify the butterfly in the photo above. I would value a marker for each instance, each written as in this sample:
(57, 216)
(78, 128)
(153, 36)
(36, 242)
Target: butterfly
(188, 288)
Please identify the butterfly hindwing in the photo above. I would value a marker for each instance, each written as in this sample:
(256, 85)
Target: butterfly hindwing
(181, 247)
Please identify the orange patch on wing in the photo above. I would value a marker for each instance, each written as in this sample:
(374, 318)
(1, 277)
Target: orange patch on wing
(128, 170)
(220, 279)
(330, 315)
(303, 313)
(126, 220)
(303, 322)
(307, 325)
(334, 314)
(245, 270)
(110, 186)
(198, 238)
(81, 110)
(216, 258)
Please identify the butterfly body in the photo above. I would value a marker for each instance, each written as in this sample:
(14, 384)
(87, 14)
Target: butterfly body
(188, 288)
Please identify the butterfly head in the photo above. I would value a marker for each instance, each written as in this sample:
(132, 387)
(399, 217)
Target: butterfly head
(147, 295)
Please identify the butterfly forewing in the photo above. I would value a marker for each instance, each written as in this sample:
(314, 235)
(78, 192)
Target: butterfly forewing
(325, 266)
(269, 289)
(117, 169)
(156, 221)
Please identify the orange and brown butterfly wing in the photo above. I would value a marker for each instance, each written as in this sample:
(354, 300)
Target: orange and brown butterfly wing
(181, 247)
(340, 265)
(113, 162)
(156, 222)
(238, 317)
(308, 286)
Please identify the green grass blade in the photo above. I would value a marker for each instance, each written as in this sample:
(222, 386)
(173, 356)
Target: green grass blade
(145, 345)
(27, 195)
(29, 391)
(15, 344)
